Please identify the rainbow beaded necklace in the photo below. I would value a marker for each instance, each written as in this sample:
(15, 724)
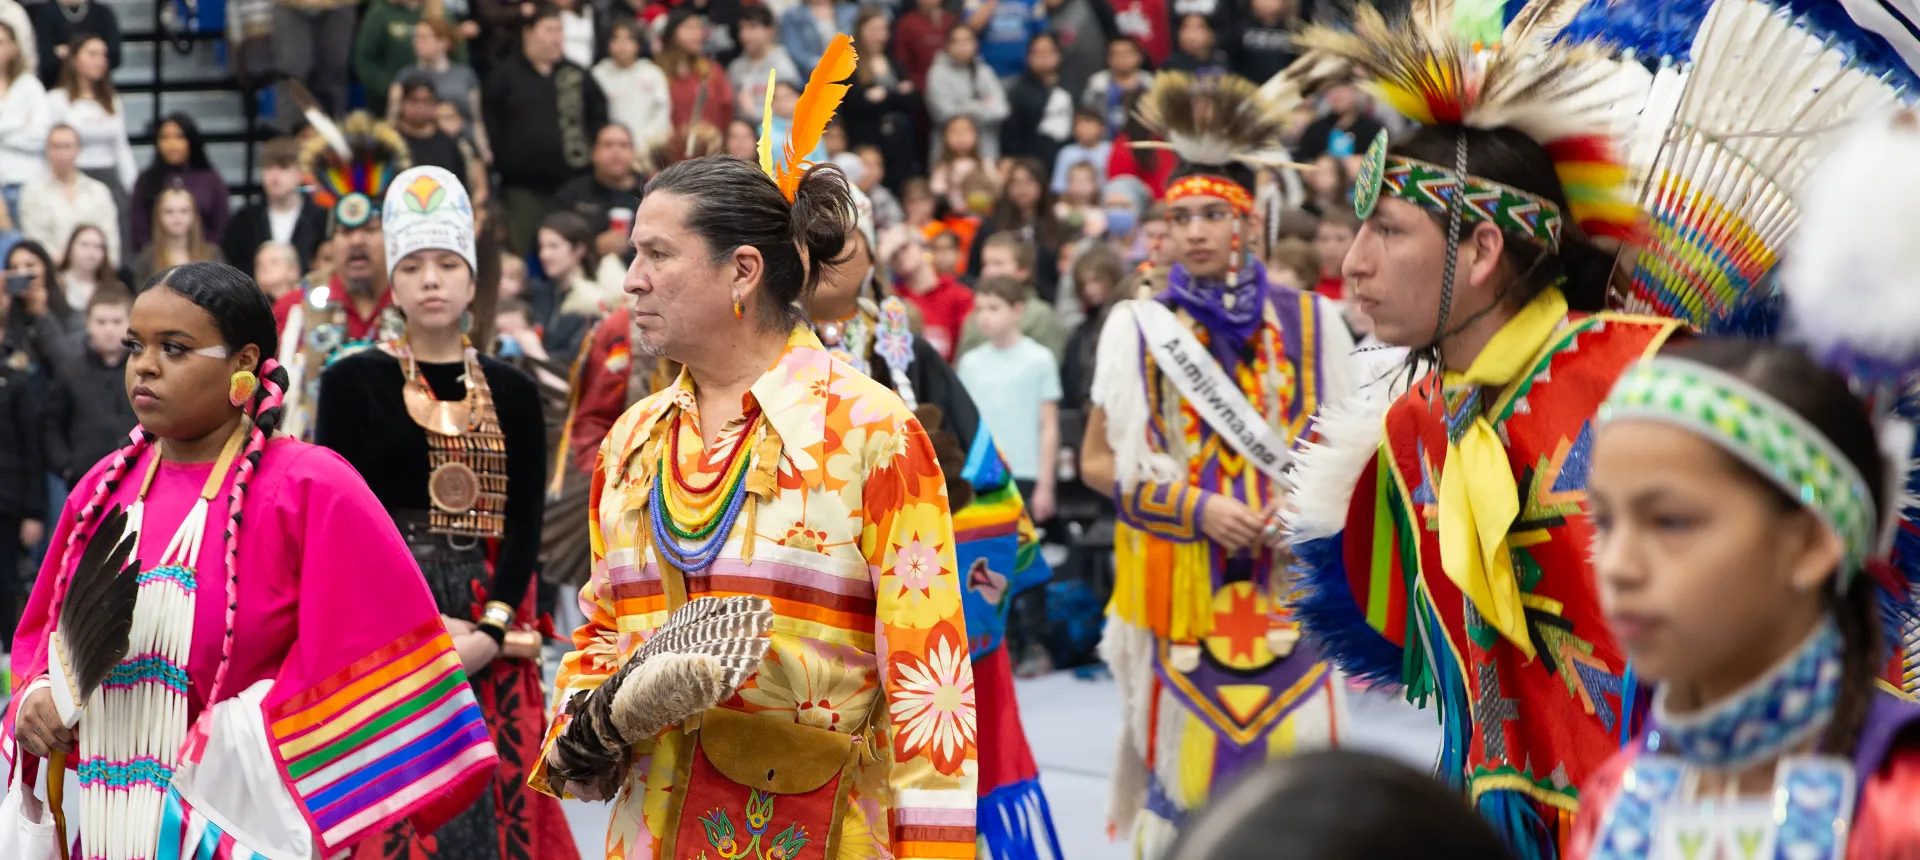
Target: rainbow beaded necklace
(704, 516)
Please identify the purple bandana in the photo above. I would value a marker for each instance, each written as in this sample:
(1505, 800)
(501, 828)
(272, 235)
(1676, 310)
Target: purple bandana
(1230, 313)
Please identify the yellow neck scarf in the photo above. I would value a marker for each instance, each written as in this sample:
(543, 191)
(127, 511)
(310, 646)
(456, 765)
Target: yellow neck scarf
(1479, 499)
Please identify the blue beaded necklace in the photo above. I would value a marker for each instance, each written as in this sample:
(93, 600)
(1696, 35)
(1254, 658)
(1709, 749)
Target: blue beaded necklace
(1778, 712)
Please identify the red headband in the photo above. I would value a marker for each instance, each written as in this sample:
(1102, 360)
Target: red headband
(1199, 185)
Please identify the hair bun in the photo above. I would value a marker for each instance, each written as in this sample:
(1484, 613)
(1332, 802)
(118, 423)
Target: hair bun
(823, 216)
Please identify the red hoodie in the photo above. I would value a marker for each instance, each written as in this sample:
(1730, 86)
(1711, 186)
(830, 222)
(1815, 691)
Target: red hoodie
(943, 311)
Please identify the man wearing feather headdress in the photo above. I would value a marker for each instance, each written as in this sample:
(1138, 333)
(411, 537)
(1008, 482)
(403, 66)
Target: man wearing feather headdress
(1199, 392)
(1439, 532)
(349, 167)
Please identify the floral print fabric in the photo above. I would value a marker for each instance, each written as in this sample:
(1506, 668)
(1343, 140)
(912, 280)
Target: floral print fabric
(852, 543)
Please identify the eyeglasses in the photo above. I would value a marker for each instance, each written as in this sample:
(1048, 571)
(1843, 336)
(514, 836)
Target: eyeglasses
(1211, 215)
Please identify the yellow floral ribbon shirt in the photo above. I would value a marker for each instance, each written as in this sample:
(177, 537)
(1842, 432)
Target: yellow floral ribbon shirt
(851, 541)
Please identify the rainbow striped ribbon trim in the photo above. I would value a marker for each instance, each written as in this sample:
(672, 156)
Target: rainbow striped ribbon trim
(383, 736)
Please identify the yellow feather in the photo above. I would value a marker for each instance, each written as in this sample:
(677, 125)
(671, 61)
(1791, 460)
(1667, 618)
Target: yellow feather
(766, 130)
(815, 109)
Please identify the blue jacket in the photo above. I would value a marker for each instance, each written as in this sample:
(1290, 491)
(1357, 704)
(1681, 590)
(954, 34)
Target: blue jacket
(802, 38)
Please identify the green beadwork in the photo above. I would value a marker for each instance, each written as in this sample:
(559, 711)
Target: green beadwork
(1433, 187)
(1372, 172)
(1763, 432)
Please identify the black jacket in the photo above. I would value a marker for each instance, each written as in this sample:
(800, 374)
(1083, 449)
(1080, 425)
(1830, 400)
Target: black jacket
(52, 29)
(88, 413)
(23, 460)
(535, 147)
(1027, 104)
(251, 228)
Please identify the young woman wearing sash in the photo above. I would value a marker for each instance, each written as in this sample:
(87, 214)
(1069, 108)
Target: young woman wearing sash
(454, 446)
(1199, 392)
(265, 703)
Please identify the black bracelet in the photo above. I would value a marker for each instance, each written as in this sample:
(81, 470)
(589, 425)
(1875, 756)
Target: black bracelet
(498, 635)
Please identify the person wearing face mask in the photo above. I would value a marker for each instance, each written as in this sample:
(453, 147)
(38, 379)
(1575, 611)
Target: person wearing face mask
(1199, 392)
(453, 444)
(324, 320)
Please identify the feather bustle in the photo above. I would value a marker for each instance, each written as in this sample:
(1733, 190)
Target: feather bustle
(1211, 120)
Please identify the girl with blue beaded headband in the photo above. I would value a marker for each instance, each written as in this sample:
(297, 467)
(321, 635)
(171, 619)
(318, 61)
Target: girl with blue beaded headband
(1738, 497)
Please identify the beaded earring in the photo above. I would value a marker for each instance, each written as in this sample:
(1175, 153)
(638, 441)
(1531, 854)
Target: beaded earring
(241, 386)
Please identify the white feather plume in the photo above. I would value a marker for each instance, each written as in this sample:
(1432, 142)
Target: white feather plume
(1325, 472)
(1853, 279)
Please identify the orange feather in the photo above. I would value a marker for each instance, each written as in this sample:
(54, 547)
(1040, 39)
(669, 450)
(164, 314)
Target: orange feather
(815, 109)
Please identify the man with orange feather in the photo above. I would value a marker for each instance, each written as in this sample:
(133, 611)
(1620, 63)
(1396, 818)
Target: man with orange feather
(770, 469)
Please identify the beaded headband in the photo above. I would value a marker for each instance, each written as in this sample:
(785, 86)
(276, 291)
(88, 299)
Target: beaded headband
(1434, 187)
(1199, 185)
(1763, 432)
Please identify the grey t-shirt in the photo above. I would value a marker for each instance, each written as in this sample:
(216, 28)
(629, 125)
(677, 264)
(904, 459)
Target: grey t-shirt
(455, 84)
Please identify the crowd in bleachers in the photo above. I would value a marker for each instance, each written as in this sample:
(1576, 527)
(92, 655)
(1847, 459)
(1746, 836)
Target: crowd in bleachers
(992, 139)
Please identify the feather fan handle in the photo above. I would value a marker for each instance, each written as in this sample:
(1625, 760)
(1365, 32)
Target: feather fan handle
(825, 90)
(765, 146)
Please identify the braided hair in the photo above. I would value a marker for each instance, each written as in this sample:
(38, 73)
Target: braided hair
(244, 315)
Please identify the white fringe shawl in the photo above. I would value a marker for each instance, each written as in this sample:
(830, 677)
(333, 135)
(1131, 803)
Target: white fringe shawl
(1121, 392)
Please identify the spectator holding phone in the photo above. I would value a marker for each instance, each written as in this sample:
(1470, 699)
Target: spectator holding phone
(38, 316)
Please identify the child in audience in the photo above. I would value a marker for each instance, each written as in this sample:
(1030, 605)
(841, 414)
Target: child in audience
(1089, 146)
(276, 268)
(1007, 255)
(946, 253)
(1016, 383)
(1081, 198)
(1293, 263)
(513, 276)
(1332, 239)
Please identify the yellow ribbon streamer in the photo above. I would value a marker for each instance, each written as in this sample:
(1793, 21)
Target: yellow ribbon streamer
(1479, 500)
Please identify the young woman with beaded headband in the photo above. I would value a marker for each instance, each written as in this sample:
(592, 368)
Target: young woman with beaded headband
(1738, 497)
(253, 641)
(453, 445)
(770, 469)
(1439, 538)
(1198, 393)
